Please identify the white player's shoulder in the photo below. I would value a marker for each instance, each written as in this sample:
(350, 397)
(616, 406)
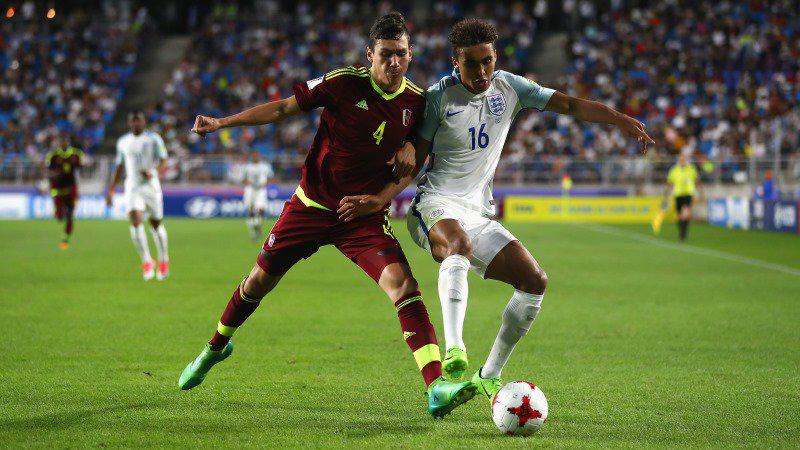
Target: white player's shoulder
(124, 138)
(438, 88)
(152, 134)
(504, 77)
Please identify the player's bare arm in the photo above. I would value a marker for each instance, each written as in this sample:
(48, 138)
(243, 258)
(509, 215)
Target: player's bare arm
(160, 168)
(114, 180)
(354, 206)
(592, 111)
(404, 162)
(263, 114)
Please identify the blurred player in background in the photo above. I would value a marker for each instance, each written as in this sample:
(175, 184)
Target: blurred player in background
(367, 115)
(682, 181)
(256, 175)
(61, 167)
(467, 119)
(143, 154)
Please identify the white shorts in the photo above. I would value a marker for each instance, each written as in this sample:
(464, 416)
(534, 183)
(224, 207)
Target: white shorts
(145, 198)
(487, 235)
(254, 198)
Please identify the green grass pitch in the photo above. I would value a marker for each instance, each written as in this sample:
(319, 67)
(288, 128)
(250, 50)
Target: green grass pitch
(640, 342)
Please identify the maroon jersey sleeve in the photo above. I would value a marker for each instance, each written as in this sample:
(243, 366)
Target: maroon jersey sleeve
(316, 93)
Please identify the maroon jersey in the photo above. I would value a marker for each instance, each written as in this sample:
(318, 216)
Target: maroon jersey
(62, 165)
(360, 130)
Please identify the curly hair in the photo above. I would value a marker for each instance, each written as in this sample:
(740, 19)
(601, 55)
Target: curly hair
(388, 26)
(469, 32)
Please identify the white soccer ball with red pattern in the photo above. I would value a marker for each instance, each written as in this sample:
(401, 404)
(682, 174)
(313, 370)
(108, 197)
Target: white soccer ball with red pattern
(519, 408)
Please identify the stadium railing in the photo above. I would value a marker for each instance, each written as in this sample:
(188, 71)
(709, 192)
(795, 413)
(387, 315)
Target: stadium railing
(613, 171)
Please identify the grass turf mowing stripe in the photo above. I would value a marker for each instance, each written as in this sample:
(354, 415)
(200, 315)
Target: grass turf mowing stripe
(690, 248)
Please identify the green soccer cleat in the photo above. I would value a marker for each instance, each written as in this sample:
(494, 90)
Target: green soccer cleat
(445, 396)
(486, 386)
(455, 363)
(196, 371)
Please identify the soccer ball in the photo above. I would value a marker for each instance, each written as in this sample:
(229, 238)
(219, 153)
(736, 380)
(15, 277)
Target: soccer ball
(519, 408)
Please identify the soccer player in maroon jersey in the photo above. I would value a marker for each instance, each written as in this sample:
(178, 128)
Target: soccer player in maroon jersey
(61, 165)
(368, 114)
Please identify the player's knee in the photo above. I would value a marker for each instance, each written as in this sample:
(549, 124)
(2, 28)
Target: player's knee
(533, 281)
(406, 285)
(155, 223)
(409, 285)
(259, 283)
(397, 283)
(460, 245)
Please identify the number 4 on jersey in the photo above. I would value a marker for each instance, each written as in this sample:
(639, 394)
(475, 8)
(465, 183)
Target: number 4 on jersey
(378, 134)
(483, 138)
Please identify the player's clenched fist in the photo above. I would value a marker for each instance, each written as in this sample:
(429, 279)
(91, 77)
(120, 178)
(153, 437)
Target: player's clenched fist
(205, 124)
(404, 161)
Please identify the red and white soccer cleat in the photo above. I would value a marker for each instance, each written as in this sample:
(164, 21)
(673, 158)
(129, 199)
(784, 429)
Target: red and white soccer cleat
(148, 269)
(163, 271)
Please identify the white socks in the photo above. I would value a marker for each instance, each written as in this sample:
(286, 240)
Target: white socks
(139, 239)
(453, 292)
(517, 320)
(160, 238)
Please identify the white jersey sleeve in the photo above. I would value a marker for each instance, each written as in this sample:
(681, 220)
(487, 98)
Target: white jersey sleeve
(433, 99)
(529, 93)
(160, 148)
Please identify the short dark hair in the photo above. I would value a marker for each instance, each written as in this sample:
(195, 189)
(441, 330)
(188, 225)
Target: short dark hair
(388, 26)
(469, 32)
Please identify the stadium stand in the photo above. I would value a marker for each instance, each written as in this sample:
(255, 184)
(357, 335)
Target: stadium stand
(63, 76)
(719, 80)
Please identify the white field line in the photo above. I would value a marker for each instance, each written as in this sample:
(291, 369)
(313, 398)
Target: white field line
(686, 248)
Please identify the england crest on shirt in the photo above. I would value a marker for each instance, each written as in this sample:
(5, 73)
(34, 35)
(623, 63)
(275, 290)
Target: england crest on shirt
(497, 103)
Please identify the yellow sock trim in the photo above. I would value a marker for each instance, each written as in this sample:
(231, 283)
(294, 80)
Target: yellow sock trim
(244, 297)
(427, 354)
(225, 330)
(408, 301)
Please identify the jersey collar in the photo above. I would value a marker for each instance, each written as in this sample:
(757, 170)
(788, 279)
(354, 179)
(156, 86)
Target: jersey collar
(387, 96)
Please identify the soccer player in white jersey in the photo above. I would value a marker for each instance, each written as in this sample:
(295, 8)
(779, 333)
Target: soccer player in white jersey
(143, 154)
(467, 119)
(256, 174)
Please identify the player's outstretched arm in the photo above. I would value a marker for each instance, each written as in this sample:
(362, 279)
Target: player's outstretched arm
(354, 206)
(592, 111)
(257, 115)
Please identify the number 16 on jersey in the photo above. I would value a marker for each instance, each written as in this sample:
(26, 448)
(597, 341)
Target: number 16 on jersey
(483, 138)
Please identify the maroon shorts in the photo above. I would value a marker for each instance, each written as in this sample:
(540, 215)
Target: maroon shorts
(301, 230)
(65, 202)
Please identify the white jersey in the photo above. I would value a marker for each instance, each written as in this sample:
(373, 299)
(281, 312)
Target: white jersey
(141, 153)
(468, 132)
(257, 175)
